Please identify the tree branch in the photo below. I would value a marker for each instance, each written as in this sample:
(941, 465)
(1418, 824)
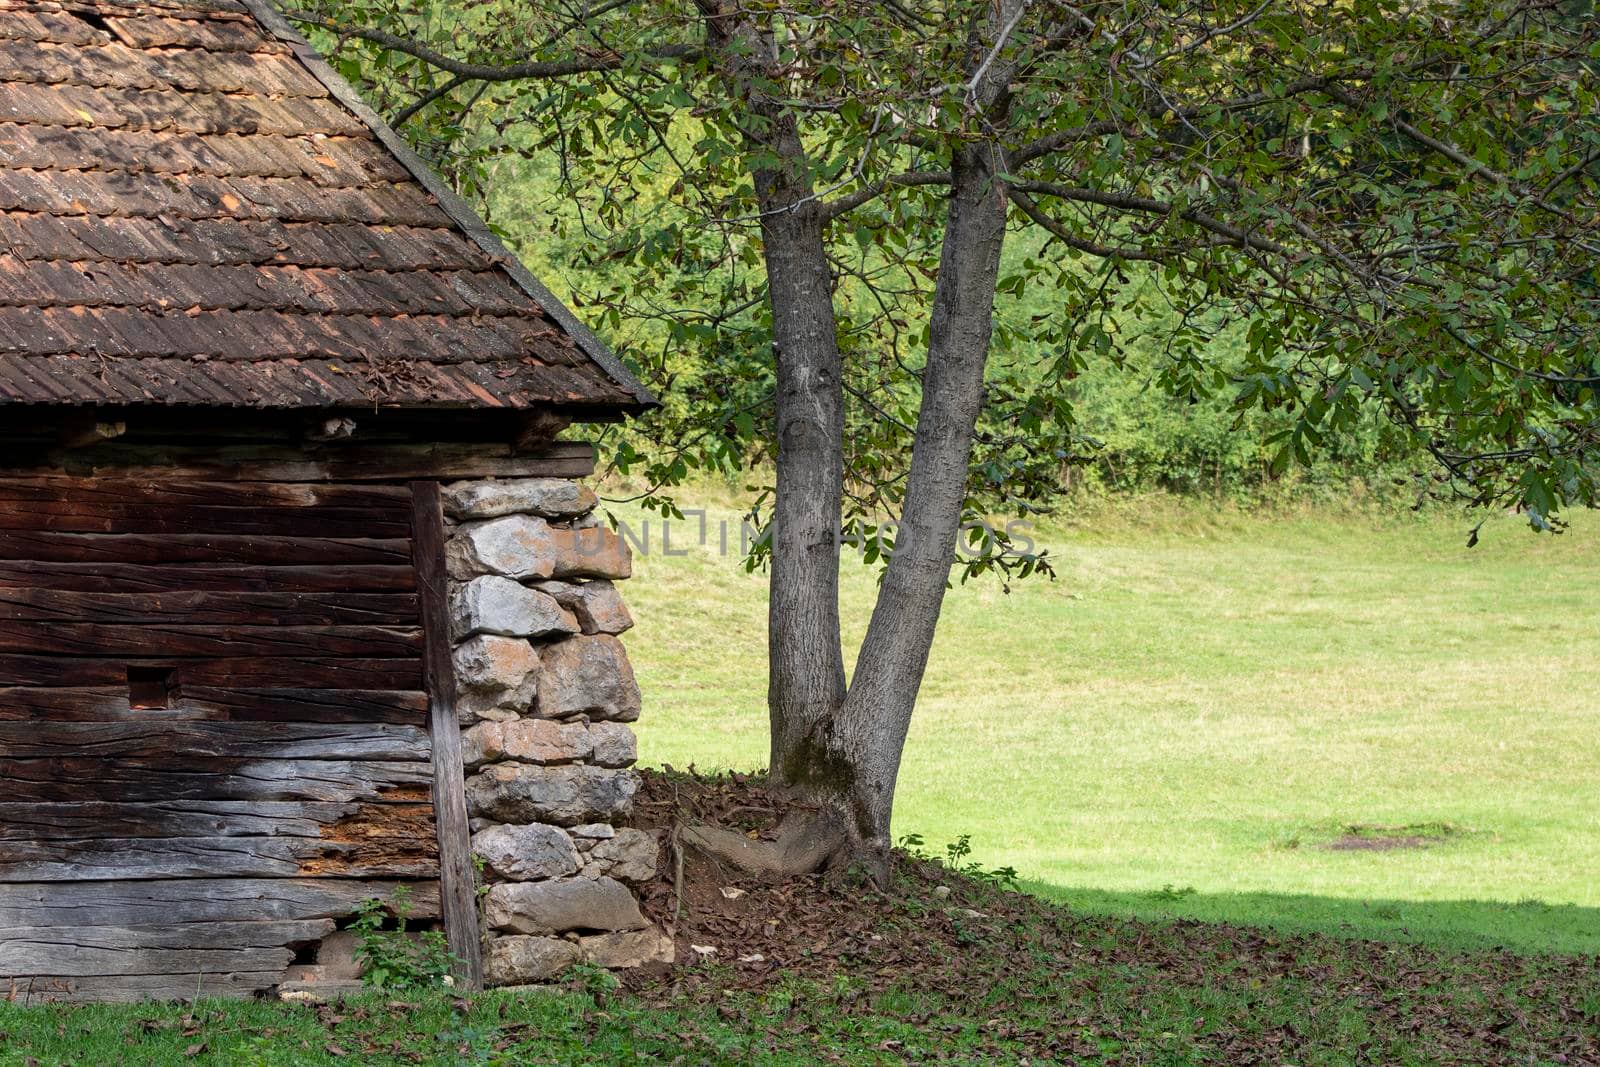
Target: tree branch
(971, 95)
(1027, 153)
(1577, 168)
(424, 100)
(584, 19)
(1206, 37)
(1030, 208)
(490, 72)
(1151, 206)
(1475, 168)
(832, 209)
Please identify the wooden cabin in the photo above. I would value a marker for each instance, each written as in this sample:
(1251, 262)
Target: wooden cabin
(259, 369)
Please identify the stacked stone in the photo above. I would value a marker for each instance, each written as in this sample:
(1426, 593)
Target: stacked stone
(545, 697)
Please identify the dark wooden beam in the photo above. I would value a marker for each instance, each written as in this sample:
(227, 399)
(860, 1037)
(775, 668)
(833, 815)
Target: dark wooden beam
(199, 703)
(185, 900)
(164, 424)
(249, 672)
(206, 641)
(199, 577)
(201, 741)
(160, 549)
(173, 778)
(457, 886)
(201, 608)
(333, 462)
(104, 857)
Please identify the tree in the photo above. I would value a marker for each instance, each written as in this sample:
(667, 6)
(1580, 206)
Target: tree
(816, 197)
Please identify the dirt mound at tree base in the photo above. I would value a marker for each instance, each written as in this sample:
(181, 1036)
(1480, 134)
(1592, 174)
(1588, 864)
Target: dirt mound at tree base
(1016, 976)
(764, 928)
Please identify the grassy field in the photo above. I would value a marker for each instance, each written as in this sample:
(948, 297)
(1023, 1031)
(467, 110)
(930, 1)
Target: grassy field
(1202, 703)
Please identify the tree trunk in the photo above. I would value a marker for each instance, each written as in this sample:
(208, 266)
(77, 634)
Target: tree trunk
(868, 735)
(842, 747)
(806, 683)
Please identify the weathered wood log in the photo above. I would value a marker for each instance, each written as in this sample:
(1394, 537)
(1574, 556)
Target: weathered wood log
(287, 427)
(222, 779)
(212, 935)
(166, 493)
(208, 608)
(123, 741)
(177, 818)
(200, 900)
(73, 516)
(49, 547)
(133, 988)
(148, 578)
(209, 704)
(106, 859)
(211, 642)
(254, 672)
(73, 950)
(333, 463)
(457, 879)
(116, 841)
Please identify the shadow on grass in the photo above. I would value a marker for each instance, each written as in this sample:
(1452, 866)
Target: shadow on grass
(1526, 926)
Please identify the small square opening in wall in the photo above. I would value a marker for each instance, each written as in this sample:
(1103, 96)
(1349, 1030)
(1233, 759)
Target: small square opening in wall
(152, 688)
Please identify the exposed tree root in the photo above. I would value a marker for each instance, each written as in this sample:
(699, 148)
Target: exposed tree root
(806, 843)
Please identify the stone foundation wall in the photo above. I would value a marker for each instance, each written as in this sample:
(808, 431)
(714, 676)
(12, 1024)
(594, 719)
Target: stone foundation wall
(545, 697)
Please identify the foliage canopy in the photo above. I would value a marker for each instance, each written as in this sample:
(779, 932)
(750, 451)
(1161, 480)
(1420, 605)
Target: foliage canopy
(1383, 202)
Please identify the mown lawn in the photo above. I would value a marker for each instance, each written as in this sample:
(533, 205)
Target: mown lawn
(1202, 702)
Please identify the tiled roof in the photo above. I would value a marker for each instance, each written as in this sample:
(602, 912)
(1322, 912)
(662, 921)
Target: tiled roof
(194, 209)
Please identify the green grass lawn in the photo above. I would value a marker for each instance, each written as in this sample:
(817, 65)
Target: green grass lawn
(1202, 701)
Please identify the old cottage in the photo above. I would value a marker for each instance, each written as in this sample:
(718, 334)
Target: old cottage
(301, 597)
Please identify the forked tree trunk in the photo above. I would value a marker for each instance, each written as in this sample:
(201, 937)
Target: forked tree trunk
(851, 760)
(836, 746)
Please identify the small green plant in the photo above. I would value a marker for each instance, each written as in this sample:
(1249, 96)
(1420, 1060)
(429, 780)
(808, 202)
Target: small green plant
(911, 845)
(593, 980)
(1289, 842)
(394, 958)
(958, 857)
(1171, 893)
(957, 851)
(257, 1051)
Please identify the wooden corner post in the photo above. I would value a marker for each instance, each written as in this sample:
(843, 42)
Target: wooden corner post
(457, 885)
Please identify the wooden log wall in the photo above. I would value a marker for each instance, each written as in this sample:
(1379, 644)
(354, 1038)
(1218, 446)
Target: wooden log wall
(165, 851)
